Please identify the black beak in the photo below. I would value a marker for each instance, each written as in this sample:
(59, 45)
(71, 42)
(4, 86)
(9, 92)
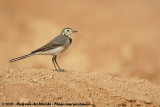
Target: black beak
(74, 31)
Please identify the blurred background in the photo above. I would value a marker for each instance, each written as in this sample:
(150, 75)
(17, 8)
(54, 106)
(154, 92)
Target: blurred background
(116, 37)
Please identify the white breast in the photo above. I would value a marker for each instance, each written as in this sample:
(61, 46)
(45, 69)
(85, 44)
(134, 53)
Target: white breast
(54, 51)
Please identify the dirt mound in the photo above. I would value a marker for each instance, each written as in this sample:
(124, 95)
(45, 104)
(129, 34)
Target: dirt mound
(31, 86)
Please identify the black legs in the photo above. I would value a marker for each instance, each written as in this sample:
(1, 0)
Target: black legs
(55, 63)
(53, 60)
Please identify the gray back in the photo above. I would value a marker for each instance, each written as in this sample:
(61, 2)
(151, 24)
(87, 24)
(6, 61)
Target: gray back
(56, 42)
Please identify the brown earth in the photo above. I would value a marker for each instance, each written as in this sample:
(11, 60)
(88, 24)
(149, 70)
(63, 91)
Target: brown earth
(95, 89)
(120, 38)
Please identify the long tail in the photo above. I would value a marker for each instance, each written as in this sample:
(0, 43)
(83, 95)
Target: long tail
(19, 58)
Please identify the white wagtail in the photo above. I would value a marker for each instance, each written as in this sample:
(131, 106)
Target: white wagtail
(54, 47)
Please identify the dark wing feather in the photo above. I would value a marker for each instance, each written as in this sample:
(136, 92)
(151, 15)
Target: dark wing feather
(50, 45)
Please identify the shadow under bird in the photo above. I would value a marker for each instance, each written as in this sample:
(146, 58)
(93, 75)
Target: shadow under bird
(56, 46)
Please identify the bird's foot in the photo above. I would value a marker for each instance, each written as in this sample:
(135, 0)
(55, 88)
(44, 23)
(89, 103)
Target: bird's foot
(60, 70)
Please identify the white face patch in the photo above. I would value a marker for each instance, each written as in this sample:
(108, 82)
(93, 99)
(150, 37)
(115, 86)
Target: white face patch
(69, 36)
(67, 32)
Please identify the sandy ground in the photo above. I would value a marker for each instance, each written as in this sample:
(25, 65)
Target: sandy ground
(94, 89)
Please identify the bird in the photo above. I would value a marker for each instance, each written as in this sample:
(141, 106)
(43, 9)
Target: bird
(56, 46)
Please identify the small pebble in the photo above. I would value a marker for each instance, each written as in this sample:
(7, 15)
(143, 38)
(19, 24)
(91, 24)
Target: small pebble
(11, 70)
(35, 80)
(50, 77)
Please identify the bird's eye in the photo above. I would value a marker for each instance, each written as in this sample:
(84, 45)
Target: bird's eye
(67, 30)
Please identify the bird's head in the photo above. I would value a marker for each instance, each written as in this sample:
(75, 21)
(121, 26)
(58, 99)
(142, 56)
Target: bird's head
(68, 31)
